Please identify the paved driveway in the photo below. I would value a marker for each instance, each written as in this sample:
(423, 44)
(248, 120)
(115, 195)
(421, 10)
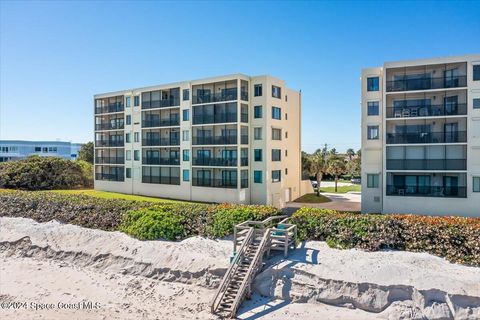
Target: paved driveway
(349, 201)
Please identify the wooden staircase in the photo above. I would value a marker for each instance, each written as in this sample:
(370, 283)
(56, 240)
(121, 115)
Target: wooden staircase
(254, 240)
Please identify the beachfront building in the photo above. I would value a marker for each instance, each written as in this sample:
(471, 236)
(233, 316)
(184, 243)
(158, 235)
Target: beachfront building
(421, 137)
(231, 138)
(11, 150)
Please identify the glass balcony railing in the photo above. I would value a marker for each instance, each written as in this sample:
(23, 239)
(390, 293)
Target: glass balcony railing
(427, 137)
(214, 162)
(217, 118)
(161, 142)
(110, 126)
(215, 183)
(109, 143)
(172, 102)
(161, 180)
(113, 107)
(426, 164)
(110, 160)
(214, 140)
(226, 95)
(244, 139)
(109, 177)
(426, 83)
(244, 162)
(161, 161)
(426, 111)
(427, 191)
(148, 123)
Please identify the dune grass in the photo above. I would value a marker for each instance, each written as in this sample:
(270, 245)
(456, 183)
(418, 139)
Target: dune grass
(114, 195)
(312, 198)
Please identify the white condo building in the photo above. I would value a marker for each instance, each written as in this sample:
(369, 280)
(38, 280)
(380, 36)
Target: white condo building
(230, 138)
(421, 137)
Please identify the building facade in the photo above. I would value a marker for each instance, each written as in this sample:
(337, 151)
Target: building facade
(421, 137)
(11, 150)
(231, 139)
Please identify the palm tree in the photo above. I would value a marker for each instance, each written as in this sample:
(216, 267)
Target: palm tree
(319, 165)
(350, 154)
(336, 167)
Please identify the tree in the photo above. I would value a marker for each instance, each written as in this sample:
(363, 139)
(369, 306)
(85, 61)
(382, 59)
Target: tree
(86, 152)
(319, 165)
(350, 154)
(353, 167)
(336, 167)
(306, 163)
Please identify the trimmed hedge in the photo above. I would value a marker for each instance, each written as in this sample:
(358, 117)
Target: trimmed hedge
(455, 238)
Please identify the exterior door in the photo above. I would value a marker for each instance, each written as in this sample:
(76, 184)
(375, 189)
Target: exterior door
(451, 105)
(451, 132)
(451, 185)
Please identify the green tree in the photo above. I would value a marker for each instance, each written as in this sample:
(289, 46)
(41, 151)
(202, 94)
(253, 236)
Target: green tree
(318, 165)
(353, 167)
(336, 167)
(86, 152)
(350, 153)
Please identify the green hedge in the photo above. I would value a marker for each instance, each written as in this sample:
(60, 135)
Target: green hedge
(455, 238)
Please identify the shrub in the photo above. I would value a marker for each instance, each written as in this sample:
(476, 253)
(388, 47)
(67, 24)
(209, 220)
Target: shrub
(45, 173)
(158, 223)
(455, 238)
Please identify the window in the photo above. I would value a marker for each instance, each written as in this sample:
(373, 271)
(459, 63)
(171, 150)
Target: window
(128, 155)
(286, 152)
(276, 92)
(38, 149)
(476, 103)
(136, 137)
(186, 115)
(128, 102)
(186, 175)
(276, 175)
(286, 116)
(257, 133)
(372, 84)
(276, 155)
(373, 108)
(186, 155)
(372, 133)
(185, 135)
(257, 154)
(286, 171)
(476, 72)
(257, 90)
(128, 137)
(476, 184)
(136, 155)
(372, 180)
(286, 134)
(128, 172)
(276, 113)
(129, 119)
(186, 94)
(136, 101)
(276, 134)
(257, 112)
(257, 176)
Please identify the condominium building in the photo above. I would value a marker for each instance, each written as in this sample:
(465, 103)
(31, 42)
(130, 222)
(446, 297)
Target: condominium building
(11, 150)
(230, 138)
(421, 137)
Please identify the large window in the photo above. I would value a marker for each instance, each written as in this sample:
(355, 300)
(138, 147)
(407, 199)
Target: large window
(186, 94)
(372, 180)
(128, 138)
(128, 172)
(372, 133)
(373, 84)
(476, 184)
(476, 72)
(186, 155)
(373, 108)
(276, 113)
(257, 176)
(258, 155)
(257, 133)
(276, 155)
(257, 112)
(276, 92)
(186, 115)
(257, 90)
(136, 155)
(276, 175)
(136, 101)
(276, 134)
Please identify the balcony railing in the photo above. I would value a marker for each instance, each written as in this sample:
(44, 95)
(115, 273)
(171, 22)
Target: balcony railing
(161, 179)
(427, 137)
(109, 177)
(215, 183)
(244, 139)
(147, 123)
(426, 164)
(228, 95)
(160, 142)
(161, 161)
(213, 162)
(427, 191)
(172, 102)
(113, 107)
(427, 111)
(109, 143)
(225, 117)
(244, 161)
(426, 83)
(214, 140)
(110, 160)
(110, 126)
(244, 95)
(244, 117)
(244, 183)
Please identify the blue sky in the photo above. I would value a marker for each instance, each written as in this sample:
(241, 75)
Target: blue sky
(54, 56)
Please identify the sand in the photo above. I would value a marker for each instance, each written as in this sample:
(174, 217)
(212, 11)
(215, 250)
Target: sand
(81, 273)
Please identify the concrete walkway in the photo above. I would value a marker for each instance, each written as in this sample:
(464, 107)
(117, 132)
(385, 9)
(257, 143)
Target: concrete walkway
(349, 201)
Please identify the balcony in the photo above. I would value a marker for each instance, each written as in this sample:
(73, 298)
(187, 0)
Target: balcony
(112, 107)
(109, 160)
(215, 183)
(161, 161)
(445, 185)
(109, 177)
(221, 140)
(172, 102)
(110, 126)
(172, 141)
(161, 179)
(426, 83)
(148, 123)
(426, 164)
(427, 137)
(215, 162)
(225, 95)
(427, 191)
(224, 117)
(426, 111)
(244, 161)
(109, 143)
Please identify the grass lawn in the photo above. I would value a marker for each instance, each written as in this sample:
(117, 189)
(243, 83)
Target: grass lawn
(113, 195)
(342, 189)
(312, 198)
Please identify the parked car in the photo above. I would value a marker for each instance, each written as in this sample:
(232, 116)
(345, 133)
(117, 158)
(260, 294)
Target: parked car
(314, 184)
(356, 181)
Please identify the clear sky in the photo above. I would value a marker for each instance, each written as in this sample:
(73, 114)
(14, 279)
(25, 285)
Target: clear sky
(54, 56)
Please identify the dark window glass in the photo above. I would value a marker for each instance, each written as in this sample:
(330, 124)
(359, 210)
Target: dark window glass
(372, 133)
(136, 101)
(258, 90)
(276, 92)
(276, 175)
(373, 108)
(257, 112)
(276, 113)
(372, 180)
(276, 155)
(186, 94)
(476, 103)
(186, 115)
(476, 184)
(186, 155)
(257, 176)
(129, 119)
(258, 154)
(128, 172)
(276, 134)
(476, 72)
(372, 84)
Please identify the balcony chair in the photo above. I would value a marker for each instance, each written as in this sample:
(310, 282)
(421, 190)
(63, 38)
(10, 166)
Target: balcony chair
(414, 112)
(398, 113)
(405, 113)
